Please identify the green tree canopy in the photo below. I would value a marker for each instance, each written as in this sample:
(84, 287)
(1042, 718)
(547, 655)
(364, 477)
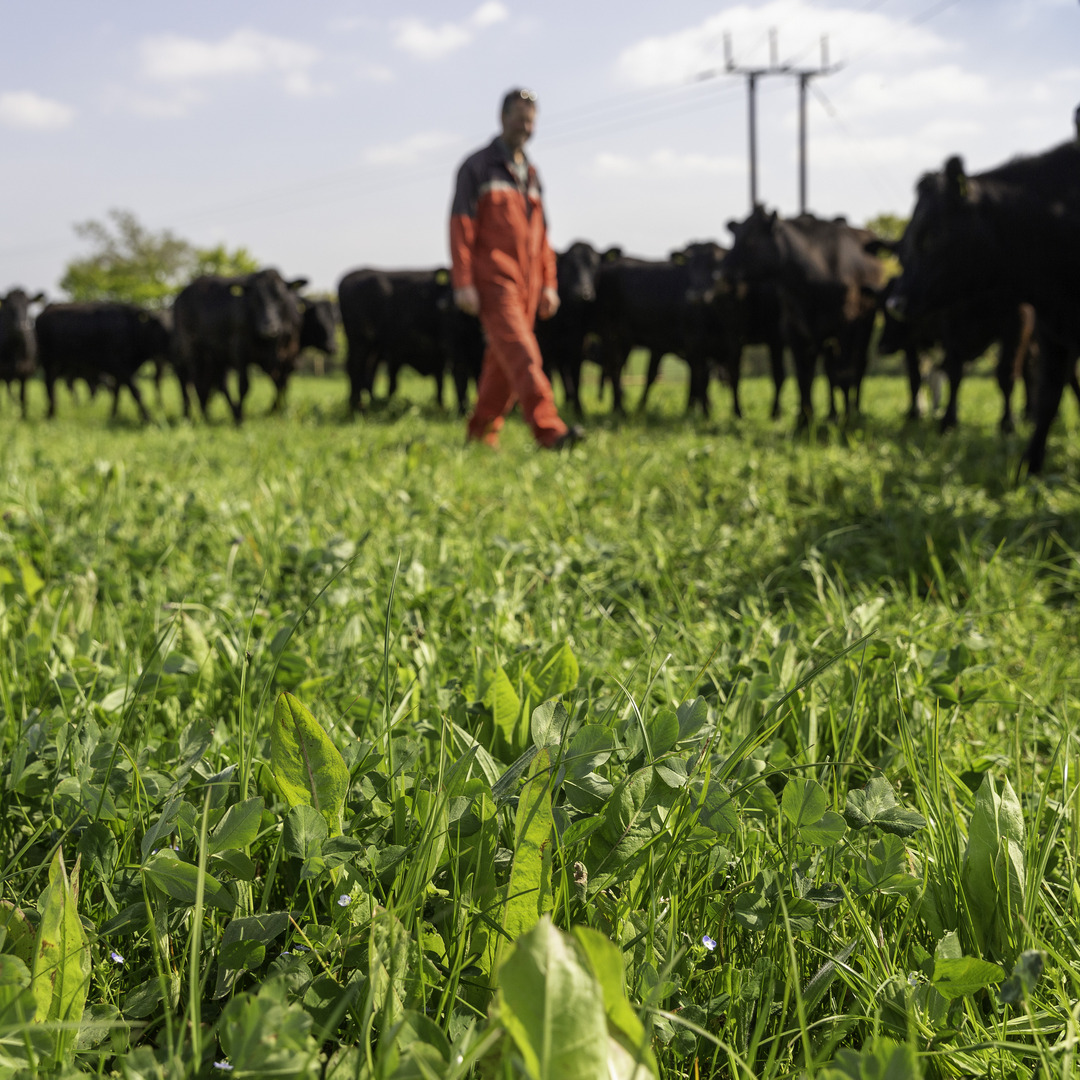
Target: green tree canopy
(888, 226)
(132, 263)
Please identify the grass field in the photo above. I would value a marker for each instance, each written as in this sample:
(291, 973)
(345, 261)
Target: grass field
(700, 750)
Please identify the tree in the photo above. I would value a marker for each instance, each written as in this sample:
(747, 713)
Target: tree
(887, 226)
(131, 263)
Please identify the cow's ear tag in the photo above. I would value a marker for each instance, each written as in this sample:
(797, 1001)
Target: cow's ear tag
(237, 290)
(441, 277)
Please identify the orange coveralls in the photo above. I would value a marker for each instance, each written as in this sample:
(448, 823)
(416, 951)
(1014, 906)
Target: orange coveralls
(498, 242)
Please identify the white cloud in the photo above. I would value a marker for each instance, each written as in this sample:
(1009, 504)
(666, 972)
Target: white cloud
(489, 14)
(427, 41)
(674, 58)
(665, 164)
(174, 58)
(411, 150)
(376, 73)
(25, 109)
(935, 87)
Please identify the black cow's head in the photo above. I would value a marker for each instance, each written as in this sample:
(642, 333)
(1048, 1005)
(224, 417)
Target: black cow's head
(577, 268)
(318, 326)
(16, 325)
(703, 260)
(272, 307)
(757, 253)
(948, 251)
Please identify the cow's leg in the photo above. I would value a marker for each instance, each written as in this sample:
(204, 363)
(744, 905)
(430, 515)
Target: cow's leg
(50, 389)
(242, 386)
(134, 391)
(356, 366)
(392, 372)
(805, 357)
(1057, 357)
(913, 368)
(1006, 381)
(954, 370)
(655, 356)
(22, 397)
(776, 364)
(699, 385)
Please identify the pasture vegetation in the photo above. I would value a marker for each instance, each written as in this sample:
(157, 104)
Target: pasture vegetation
(340, 749)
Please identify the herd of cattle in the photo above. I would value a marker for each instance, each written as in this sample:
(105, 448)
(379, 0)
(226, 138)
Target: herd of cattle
(988, 258)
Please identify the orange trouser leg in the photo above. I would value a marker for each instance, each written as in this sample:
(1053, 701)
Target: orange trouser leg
(494, 398)
(513, 352)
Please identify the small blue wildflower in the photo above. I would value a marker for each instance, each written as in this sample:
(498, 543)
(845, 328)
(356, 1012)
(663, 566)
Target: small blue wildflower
(344, 900)
(708, 942)
(116, 957)
(300, 948)
(224, 1066)
(285, 952)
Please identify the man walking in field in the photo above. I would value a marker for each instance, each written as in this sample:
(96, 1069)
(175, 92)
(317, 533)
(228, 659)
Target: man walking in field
(504, 271)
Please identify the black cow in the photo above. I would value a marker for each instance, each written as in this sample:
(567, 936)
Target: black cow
(753, 315)
(318, 326)
(18, 346)
(662, 306)
(828, 288)
(964, 331)
(225, 324)
(1013, 231)
(562, 337)
(102, 342)
(406, 317)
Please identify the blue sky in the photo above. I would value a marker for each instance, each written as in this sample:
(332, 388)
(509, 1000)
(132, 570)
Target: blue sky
(324, 137)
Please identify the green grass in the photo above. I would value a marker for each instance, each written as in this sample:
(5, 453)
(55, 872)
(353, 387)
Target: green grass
(872, 604)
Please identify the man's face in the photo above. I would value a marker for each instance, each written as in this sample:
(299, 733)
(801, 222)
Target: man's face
(517, 124)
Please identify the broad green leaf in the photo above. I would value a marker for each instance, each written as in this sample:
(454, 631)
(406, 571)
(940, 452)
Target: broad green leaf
(1025, 975)
(501, 698)
(663, 731)
(590, 747)
(605, 961)
(692, 717)
(883, 1059)
(826, 832)
(265, 1035)
(957, 978)
(179, 880)
(393, 967)
(804, 801)
(17, 1001)
(884, 870)
(238, 827)
(255, 930)
(549, 721)
(16, 933)
(993, 870)
(61, 967)
(719, 811)
(625, 828)
(553, 1008)
(555, 676)
(528, 893)
(306, 764)
(304, 832)
(876, 804)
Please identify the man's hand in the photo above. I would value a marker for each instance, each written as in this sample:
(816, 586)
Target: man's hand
(549, 303)
(468, 299)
